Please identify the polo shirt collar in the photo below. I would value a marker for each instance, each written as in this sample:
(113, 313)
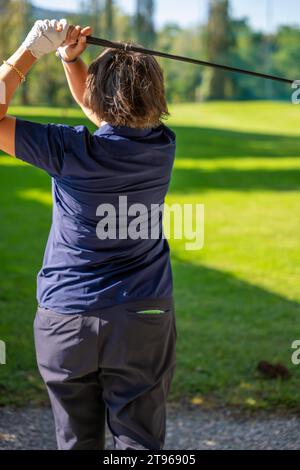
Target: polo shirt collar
(108, 129)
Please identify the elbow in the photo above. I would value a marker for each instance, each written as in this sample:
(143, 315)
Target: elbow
(3, 111)
(3, 100)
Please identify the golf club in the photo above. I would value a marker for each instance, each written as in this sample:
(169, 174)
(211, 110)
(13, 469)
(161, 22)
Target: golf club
(129, 47)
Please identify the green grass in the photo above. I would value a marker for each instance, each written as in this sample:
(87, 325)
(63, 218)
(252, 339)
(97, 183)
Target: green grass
(238, 299)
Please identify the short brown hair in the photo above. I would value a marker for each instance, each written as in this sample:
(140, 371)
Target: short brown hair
(126, 88)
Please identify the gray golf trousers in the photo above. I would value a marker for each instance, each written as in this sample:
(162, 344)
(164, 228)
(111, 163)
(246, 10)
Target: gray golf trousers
(112, 366)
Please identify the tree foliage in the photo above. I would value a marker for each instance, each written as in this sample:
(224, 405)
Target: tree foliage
(144, 21)
(220, 41)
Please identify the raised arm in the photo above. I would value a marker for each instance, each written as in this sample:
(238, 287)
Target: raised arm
(44, 37)
(23, 60)
(11, 76)
(75, 69)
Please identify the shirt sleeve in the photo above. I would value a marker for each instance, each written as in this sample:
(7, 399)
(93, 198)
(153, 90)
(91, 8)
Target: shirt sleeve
(41, 145)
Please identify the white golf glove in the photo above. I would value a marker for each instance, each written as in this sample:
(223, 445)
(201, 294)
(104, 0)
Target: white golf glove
(44, 37)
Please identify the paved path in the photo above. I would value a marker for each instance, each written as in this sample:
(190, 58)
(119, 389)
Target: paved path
(188, 428)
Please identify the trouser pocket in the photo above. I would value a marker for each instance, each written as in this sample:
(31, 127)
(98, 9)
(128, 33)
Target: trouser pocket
(159, 312)
(57, 343)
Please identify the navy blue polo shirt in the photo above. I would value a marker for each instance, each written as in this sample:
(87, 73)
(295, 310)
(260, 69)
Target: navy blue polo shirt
(90, 173)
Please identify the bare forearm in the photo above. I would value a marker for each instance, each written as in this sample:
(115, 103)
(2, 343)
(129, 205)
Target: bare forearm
(76, 73)
(23, 60)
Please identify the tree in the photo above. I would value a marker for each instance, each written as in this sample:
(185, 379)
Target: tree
(286, 58)
(109, 19)
(182, 80)
(95, 12)
(219, 44)
(248, 53)
(4, 6)
(6, 41)
(145, 22)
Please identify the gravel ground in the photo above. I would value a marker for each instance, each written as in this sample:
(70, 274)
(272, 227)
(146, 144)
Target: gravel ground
(188, 428)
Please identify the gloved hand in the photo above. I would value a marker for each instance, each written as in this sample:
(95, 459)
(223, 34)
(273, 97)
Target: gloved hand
(46, 36)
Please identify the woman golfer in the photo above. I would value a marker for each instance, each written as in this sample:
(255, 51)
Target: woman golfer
(105, 329)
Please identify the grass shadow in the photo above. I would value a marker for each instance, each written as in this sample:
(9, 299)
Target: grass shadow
(201, 142)
(196, 180)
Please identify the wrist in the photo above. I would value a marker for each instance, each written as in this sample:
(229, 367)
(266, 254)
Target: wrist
(58, 54)
(20, 74)
(23, 51)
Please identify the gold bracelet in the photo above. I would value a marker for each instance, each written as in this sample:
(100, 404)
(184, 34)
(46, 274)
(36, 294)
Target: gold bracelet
(21, 75)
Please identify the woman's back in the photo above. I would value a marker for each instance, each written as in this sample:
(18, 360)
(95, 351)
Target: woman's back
(106, 243)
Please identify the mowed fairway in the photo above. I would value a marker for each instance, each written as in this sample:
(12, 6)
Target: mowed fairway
(238, 298)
